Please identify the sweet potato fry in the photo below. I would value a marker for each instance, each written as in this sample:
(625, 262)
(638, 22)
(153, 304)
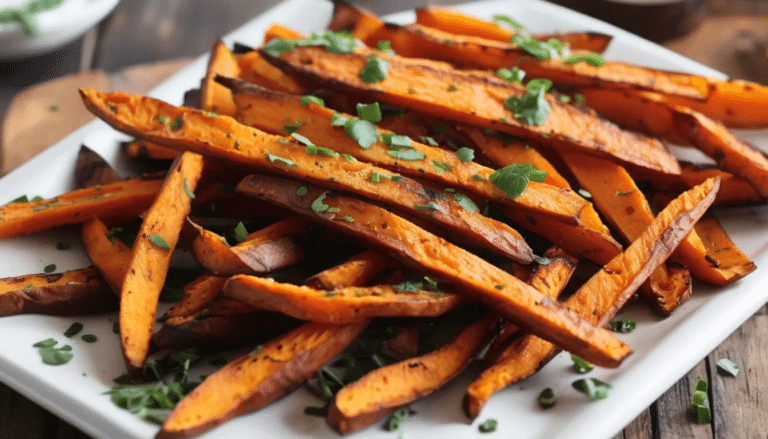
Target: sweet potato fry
(197, 294)
(73, 292)
(358, 271)
(254, 68)
(359, 22)
(339, 306)
(258, 378)
(121, 200)
(477, 99)
(107, 252)
(91, 169)
(151, 258)
(143, 150)
(272, 111)
(384, 390)
(222, 137)
(624, 205)
(602, 295)
(721, 251)
(460, 23)
(417, 41)
(214, 97)
(266, 250)
(220, 325)
(502, 292)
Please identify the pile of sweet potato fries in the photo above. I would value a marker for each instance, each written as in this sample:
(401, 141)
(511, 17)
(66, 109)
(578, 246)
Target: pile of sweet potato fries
(451, 151)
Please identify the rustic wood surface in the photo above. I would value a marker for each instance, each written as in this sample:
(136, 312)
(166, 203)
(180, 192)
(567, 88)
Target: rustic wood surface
(150, 31)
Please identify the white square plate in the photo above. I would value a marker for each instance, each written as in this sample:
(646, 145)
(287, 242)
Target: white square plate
(665, 350)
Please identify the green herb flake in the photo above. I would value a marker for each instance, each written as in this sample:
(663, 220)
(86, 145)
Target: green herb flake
(89, 338)
(478, 177)
(73, 330)
(177, 123)
(428, 140)
(397, 419)
(593, 388)
(429, 206)
(513, 179)
(21, 199)
(700, 403)
(441, 167)
(334, 42)
(315, 411)
(159, 242)
(47, 343)
(282, 160)
(466, 202)
(409, 155)
(63, 245)
(50, 268)
(584, 193)
(489, 426)
(309, 99)
(727, 367)
(514, 75)
(318, 205)
(337, 120)
(591, 58)
(187, 191)
(375, 177)
(302, 191)
(581, 365)
(396, 141)
(465, 154)
(370, 112)
(162, 119)
(348, 219)
(543, 261)
(532, 108)
(547, 399)
(623, 193)
(256, 351)
(499, 287)
(293, 127)
(623, 325)
(374, 70)
(53, 107)
(508, 21)
(349, 158)
(240, 232)
(385, 46)
(361, 131)
(453, 87)
(301, 139)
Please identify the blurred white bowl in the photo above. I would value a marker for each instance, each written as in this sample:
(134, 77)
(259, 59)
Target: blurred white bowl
(56, 27)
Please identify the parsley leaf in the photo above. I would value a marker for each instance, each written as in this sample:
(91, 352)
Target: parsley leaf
(591, 58)
(581, 365)
(593, 388)
(309, 99)
(507, 20)
(361, 131)
(513, 179)
(369, 112)
(334, 42)
(532, 108)
(374, 70)
(547, 398)
(159, 242)
(409, 155)
(727, 367)
(465, 154)
(514, 75)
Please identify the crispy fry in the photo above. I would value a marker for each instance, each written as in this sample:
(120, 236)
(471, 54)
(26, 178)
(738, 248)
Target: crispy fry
(339, 306)
(107, 252)
(151, 258)
(384, 390)
(214, 97)
(478, 99)
(256, 379)
(502, 292)
(123, 200)
(224, 138)
(359, 270)
(460, 23)
(73, 292)
(91, 169)
(601, 296)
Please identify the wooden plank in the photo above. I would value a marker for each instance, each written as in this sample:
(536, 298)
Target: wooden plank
(640, 428)
(673, 415)
(739, 404)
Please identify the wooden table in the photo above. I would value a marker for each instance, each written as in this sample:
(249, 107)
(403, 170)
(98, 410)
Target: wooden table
(149, 31)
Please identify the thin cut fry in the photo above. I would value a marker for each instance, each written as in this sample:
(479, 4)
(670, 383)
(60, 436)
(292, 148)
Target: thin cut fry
(73, 292)
(339, 306)
(478, 100)
(390, 387)
(258, 378)
(358, 270)
(123, 200)
(152, 252)
(502, 292)
(107, 252)
(601, 296)
(91, 169)
(222, 137)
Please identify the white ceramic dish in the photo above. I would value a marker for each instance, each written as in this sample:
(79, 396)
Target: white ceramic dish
(56, 27)
(665, 350)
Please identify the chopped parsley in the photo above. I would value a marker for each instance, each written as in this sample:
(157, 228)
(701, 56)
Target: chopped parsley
(73, 330)
(513, 179)
(50, 268)
(409, 155)
(489, 426)
(623, 325)
(294, 127)
(397, 418)
(441, 167)
(240, 232)
(187, 191)
(369, 112)
(302, 191)
(591, 58)
(52, 355)
(581, 365)
(361, 131)
(318, 205)
(159, 242)
(309, 99)
(514, 75)
(547, 399)
(700, 403)
(334, 42)
(465, 154)
(508, 21)
(277, 159)
(429, 206)
(374, 70)
(593, 388)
